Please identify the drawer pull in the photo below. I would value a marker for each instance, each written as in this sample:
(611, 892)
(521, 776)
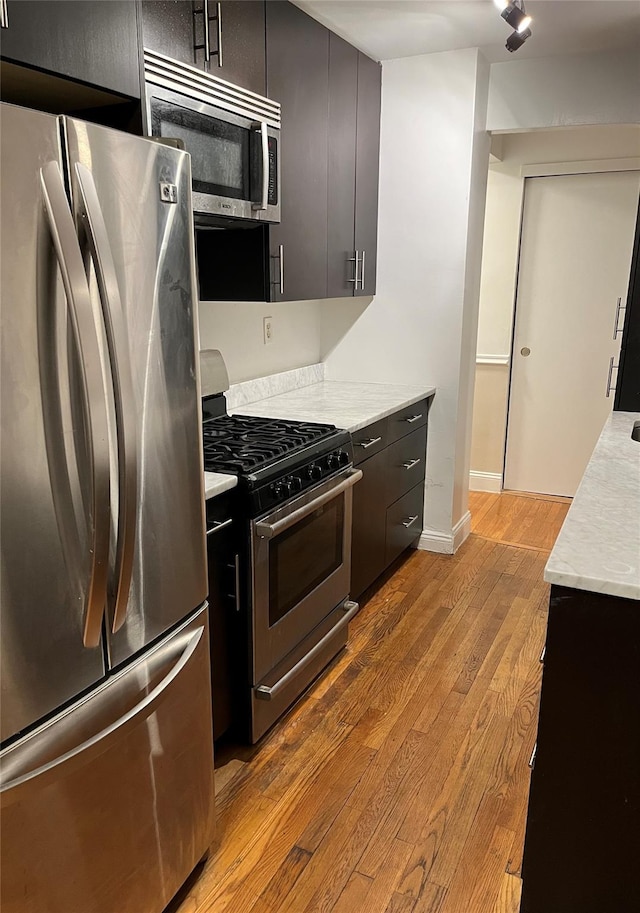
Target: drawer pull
(411, 463)
(532, 759)
(409, 521)
(544, 650)
(413, 418)
(218, 525)
(369, 443)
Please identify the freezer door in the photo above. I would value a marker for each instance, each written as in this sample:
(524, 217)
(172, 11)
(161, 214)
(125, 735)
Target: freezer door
(54, 494)
(110, 806)
(132, 202)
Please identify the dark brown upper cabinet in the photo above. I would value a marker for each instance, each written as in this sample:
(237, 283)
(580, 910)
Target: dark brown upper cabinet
(628, 378)
(354, 147)
(298, 77)
(94, 42)
(224, 39)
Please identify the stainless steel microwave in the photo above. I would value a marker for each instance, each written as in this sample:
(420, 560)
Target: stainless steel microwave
(232, 135)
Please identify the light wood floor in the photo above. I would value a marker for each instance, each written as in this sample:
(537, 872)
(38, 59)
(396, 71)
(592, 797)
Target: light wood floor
(399, 783)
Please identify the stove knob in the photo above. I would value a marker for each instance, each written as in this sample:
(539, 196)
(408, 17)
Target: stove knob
(343, 457)
(333, 461)
(281, 489)
(314, 472)
(295, 483)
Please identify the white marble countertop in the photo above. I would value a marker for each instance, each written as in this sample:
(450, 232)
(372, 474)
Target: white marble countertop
(217, 482)
(347, 405)
(598, 548)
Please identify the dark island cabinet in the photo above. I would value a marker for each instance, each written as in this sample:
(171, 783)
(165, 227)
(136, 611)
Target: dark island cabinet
(233, 47)
(94, 42)
(353, 153)
(582, 842)
(628, 379)
(298, 77)
(388, 502)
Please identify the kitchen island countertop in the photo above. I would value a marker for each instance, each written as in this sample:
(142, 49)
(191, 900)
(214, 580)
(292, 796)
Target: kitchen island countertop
(347, 405)
(215, 483)
(598, 548)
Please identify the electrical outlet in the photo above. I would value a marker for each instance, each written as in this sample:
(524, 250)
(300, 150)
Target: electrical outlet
(267, 325)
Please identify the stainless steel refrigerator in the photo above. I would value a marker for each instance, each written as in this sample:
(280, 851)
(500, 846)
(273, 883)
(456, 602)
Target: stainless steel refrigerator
(107, 757)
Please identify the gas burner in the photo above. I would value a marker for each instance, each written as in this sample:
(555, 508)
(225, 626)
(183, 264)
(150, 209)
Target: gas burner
(244, 443)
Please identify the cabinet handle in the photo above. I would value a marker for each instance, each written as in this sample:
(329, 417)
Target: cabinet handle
(413, 418)
(532, 759)
(411, 463)
(235, 567)
(544, 650)
(409, 521)
(218, 18)
(218, 525)
(207, 34)
(366, 444)
(4, 15)
(281, 260)
(362, 271)
(355, 259)
(616, 328)
(611, 367)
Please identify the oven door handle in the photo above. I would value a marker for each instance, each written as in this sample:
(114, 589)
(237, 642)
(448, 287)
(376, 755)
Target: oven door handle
(270, 530)
(270, 692)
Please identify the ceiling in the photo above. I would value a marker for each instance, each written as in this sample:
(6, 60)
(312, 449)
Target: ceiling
(385, 29)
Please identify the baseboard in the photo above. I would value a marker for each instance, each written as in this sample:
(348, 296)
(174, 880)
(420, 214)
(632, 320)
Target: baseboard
(433, 540)
(485, 481)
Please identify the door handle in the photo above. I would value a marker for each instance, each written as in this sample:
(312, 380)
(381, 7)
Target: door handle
(67, 248)
(368, 443)
(409, 521)
(413, 418)
(355, 259)
(4, 15)
(95, 228)
(264, 139)
(411, 463)
(266, 530)
(362, 271)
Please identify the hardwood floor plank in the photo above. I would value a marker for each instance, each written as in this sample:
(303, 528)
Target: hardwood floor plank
(399, 783)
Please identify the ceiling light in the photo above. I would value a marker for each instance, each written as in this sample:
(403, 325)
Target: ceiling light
(515, 16)
(526, 22)
(501, 4)
(516, 39)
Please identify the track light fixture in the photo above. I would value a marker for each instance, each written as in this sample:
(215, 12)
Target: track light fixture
(513, 12)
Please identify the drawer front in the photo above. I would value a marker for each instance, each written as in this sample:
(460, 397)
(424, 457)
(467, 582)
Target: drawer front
(369, 440)
(407, 420)
(406, 463)
(404, 522)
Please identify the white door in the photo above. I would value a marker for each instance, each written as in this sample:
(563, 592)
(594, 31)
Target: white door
(575, 257)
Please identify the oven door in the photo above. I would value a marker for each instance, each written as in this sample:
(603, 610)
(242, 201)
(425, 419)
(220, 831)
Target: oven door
(301, 568)
(234, 160)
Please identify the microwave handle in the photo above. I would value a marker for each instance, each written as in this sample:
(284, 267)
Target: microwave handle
(264, 139)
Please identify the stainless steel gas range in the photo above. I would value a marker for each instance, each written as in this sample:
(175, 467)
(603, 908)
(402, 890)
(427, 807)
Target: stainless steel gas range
(293, 511)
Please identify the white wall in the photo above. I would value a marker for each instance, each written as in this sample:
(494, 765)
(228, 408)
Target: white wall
(420, 328)
(573, 90)
(236, 329)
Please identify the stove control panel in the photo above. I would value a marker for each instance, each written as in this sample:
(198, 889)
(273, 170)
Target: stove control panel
(302, 478)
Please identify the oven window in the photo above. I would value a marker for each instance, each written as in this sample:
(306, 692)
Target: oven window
(220, 152)
(303, 556)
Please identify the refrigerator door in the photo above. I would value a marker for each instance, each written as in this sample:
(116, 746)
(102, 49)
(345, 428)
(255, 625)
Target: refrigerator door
(132, 201)
(54, 493)
(109, 806)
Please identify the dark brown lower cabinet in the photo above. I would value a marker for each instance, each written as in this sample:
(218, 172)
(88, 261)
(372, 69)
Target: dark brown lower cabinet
(388, 502)
(222, 552)
(582, 844)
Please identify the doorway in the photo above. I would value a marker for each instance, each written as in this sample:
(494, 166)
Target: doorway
(575, 255)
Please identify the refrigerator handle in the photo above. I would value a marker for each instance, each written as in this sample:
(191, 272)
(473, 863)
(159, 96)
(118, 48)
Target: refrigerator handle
(178, 654)
(71, 265)
(120, 362)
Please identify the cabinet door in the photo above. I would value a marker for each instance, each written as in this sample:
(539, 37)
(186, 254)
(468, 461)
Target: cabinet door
(298, 77)
(168, 27)
(242, 30)
(367, 169)
(343, 90)
(93, 41)
(628, 379)
(369, 522)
